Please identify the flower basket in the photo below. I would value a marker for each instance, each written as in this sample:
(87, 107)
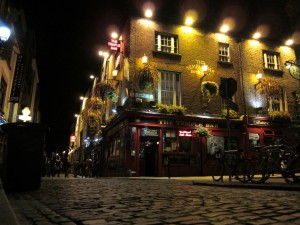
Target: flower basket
(279, 115)
(232, 114)
(209, 88)
(106, 90)
(202, 132)
(146, 79)
(171, 109)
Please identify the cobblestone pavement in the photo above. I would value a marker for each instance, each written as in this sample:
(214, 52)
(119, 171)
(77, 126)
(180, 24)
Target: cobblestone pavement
(88, 201)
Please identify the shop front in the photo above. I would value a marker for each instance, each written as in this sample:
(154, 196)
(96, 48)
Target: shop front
(149, 144)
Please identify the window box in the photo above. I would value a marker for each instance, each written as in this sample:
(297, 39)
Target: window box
(225, 64)
(166, 55)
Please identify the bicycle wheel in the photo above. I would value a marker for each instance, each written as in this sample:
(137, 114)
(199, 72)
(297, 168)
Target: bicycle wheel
(218, 170)
(244, 170)
(286, 174)
(294, 169)
(262, 171)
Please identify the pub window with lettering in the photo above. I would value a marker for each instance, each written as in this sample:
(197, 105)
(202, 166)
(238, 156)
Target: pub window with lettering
(177, 141)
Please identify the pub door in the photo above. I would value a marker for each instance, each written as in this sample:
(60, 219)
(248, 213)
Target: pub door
(149, 150)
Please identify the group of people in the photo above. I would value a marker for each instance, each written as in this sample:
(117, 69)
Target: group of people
(55, 165)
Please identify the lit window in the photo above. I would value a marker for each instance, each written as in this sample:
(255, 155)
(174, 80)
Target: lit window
(169, 91)
(271, 60)
(3, 87)
(166, 43)
(224, 55)
(278, 103)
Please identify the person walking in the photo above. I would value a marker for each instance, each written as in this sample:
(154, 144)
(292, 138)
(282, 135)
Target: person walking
(57, 166)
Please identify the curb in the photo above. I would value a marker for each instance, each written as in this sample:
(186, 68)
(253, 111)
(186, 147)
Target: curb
(265, 186)
(7, 215)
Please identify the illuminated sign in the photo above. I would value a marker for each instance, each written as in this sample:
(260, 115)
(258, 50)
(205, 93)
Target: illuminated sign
(185, 133)
(114, 44)
(73, 138)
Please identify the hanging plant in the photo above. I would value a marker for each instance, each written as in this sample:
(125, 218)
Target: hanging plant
(269, 87)
(106, 90)
(210, 89)
(93, 111)
(146, 79)
(202, 132)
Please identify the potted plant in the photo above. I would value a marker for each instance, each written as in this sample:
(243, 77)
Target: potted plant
(279, 115)
(232, 114)
(171, 109)
(210, 89)
(202, 132)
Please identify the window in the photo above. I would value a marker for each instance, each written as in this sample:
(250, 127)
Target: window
(224, 55)
(166, 43)
(3, 87)
(271, 60)
(278, 103)
(169, 91)
(176, 143)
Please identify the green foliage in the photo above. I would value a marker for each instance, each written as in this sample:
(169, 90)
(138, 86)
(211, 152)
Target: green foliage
(202, 132)
(106, 90)
(209, 88)
(171, 109)
(279, 115)
(232, 114)
(297, 96)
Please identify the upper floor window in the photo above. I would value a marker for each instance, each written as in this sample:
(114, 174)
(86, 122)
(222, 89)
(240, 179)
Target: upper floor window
(271, 60)
(279, 102)
(169, 91)
(166, 43)
(224, 54)
(3, 87)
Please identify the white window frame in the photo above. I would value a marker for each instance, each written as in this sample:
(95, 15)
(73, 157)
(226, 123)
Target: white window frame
(171, 84)
(271, 60)
(166, 43)
(278, 103)
(224, 52)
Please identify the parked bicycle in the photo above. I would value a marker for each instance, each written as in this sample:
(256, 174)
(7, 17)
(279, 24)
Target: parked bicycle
(277, 159)
(234, 164)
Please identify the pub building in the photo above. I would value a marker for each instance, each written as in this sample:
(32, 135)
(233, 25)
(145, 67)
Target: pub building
(189, 69)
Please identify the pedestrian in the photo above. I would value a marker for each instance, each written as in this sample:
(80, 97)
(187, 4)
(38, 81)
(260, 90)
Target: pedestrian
(57, 166)
(76, 167)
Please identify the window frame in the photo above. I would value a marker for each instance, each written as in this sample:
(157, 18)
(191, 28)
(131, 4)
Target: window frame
(271, 60)
(176, 85)
(227, 50)
(166, 41)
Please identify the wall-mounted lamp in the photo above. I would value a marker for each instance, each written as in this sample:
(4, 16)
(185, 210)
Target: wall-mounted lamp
(204, 68)
(144, 59)
(115, 73)
(4, 33)
(258, 76)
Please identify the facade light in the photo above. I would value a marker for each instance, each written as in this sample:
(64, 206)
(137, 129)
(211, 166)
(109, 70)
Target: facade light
(256, 35)
(148, 13)
(4, 33)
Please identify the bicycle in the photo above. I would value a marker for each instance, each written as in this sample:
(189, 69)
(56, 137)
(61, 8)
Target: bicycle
(277, 158)
(233, 163)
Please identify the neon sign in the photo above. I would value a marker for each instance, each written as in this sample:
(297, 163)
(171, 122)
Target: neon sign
(185, 133)
(114, 44)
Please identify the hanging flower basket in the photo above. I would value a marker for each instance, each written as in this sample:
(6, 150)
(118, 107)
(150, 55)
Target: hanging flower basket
(269, 87)
(106, 90)
(146, 79)
(210, 89)
(202, 132)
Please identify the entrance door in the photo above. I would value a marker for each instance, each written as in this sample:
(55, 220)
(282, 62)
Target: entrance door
(149, 148)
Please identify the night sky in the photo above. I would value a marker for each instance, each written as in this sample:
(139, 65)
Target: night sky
(69, 35)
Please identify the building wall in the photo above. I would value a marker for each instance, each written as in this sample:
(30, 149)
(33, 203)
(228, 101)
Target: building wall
(197, 46)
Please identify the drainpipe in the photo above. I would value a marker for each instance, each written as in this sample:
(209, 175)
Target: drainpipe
(242, 75)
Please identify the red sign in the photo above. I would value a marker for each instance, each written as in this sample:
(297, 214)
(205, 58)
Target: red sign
(114, 44)
(73, 138)
(185, 133)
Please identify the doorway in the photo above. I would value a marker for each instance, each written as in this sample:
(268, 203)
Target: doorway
(148, 156)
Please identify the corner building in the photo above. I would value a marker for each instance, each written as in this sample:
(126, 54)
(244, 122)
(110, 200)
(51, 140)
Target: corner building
(141, 140)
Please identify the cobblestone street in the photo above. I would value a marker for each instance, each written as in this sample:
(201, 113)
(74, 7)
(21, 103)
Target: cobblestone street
(90, 201)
